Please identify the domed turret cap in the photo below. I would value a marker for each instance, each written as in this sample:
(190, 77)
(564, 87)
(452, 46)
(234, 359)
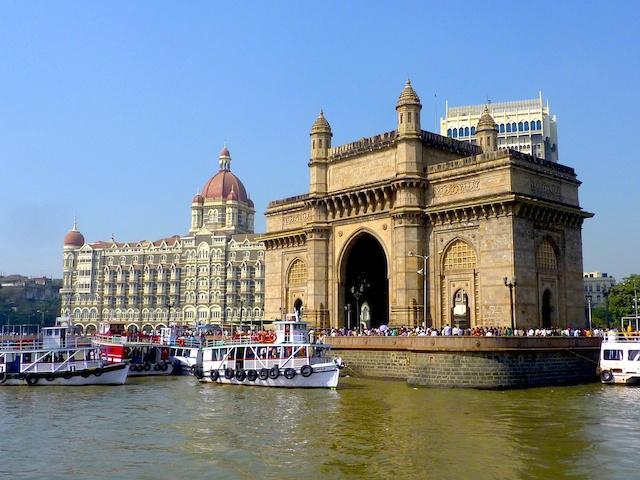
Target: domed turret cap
(486, 121)
(408, 96)
(73, 238)
(320, 125)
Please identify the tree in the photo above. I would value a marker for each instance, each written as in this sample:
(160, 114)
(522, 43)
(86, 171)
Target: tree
(621, 298)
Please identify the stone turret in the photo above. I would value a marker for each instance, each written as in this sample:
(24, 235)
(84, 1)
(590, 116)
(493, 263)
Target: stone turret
(320, 145)
(408, 108)
(487, 132)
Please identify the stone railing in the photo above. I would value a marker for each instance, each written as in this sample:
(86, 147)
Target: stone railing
(365, 144)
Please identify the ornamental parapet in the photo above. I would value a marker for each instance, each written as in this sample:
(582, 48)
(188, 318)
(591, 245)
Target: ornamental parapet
(364, 145)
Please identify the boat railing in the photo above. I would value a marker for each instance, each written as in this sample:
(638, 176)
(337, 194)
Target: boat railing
(36, 343)
(621, 337)
(123, 339)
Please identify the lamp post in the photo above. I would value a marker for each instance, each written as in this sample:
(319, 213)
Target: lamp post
(358, 291)
(423, 272)
(347, 308)
(41, 312)
(588, 297)
(510, 284)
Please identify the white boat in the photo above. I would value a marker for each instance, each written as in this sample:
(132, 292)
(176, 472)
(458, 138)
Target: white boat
(620, 358)
(283, 358)
(146, 354)
(32, 357)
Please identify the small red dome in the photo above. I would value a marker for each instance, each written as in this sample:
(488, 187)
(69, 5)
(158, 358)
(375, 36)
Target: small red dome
(73, 239)
(198, 199)
(232, 195)
(224, 152)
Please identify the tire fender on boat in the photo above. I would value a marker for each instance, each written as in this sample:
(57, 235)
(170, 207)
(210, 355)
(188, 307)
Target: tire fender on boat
(147, 367)
(306, 370)
(164, 367)
(264, 373)
(85, 373)
(3, 377)
(157, 367)
(214, 375)
(228, 373)
(50, 378)
(252, 375)
(199, 373)
(606, 376)
(67, 375)
(241, 375)
(31, 379)
(97, 372)
(274, 372)
(289, 373)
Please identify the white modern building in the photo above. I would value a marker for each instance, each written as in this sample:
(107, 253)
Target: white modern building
(597, 285)
(523, 125)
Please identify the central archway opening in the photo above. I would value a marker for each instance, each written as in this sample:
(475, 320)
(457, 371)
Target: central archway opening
(546, 309)
(365, 286)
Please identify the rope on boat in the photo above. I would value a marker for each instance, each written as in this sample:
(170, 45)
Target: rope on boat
(582, 356)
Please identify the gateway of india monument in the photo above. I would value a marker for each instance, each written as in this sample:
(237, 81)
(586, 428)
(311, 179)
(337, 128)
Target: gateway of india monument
(499, 232)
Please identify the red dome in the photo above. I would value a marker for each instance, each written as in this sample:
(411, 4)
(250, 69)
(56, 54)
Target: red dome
(222, 184)
(73, 239)
(224, 152)
(198, 199)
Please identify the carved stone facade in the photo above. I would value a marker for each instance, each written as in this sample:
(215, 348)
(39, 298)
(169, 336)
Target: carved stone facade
(480, 214)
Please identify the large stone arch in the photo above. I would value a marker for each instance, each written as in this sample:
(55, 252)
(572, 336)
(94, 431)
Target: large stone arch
(459, 286)
(363, 276)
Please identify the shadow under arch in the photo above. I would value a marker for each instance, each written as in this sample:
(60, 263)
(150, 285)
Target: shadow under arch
(363, 280)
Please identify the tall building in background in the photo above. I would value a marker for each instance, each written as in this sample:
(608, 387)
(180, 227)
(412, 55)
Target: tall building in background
(523, 125)
(598, 285)
(214, 274)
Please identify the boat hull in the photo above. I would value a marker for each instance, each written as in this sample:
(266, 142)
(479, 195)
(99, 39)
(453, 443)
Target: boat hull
(108, 375)
(323, 376)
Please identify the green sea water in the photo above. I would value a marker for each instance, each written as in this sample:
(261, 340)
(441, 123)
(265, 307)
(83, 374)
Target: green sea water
(175, 428)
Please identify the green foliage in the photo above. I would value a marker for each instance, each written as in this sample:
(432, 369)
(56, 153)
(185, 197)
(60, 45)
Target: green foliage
(599, 316)
(621, 298)
(16, 309)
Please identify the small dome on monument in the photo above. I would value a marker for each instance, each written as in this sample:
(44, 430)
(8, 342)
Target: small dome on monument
(321, 125)
(224, 152)
(73, 238)
(408, 96)
(198, 199)
(486, 121)
(232, 194)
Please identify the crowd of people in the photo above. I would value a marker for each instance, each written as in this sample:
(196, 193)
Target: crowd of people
(455, 331)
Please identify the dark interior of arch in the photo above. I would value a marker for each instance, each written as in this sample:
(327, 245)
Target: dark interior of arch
(366, 265)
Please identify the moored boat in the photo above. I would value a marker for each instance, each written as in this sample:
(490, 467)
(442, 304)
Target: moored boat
(620, 358)
(30, 356)
(147, 355)
(283, 358)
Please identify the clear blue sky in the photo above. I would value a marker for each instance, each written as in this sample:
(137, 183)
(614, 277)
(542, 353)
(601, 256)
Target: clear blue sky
(116, 111)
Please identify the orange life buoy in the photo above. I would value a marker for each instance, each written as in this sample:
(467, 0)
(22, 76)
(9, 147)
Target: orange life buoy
(181, 342)
(269, 337)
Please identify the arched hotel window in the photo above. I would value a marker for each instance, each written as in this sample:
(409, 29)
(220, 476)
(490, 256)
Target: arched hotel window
(508, 127)
(546, 257)
(526, 126)
(448, 132)
(514, 127)
(455, 133)
(520, 127)
(538, 125)
(502, 128)
(466, 131)
(473, 130)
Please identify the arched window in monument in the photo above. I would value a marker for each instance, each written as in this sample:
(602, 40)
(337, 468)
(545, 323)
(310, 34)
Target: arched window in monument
(297, 273)
(546, 257)
(459, 256)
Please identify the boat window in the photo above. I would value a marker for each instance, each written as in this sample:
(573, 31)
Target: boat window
(612, 355)
(232, 354)
(302, 352)
(634, 355)
(250, 355)
(26, 358)
(287, 352)
(240, 353)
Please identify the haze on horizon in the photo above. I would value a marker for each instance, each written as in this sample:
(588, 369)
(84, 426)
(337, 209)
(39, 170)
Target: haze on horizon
(114, 113)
